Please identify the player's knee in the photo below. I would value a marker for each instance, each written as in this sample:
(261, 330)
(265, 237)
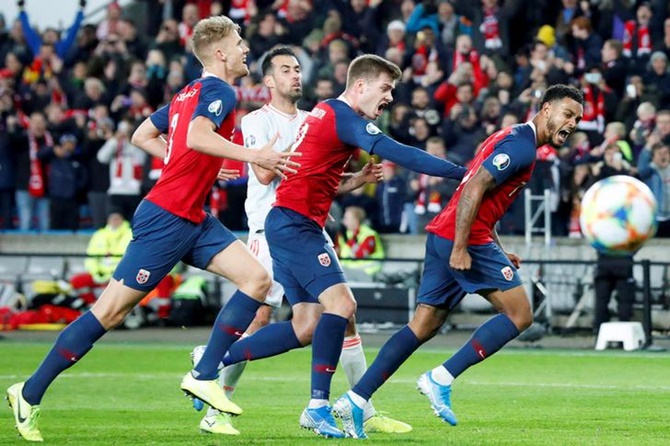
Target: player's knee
(522, 319)
(111, 318)
(258, 285)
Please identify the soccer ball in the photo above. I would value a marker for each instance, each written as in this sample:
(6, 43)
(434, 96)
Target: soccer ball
(618, 215)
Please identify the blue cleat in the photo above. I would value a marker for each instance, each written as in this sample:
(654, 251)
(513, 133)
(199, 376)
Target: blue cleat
(198, 404)
(439, 397)
(351, 415)
(321, 422)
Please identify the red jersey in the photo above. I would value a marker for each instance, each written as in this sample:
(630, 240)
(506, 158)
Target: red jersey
(188, 175)
(310, 192)
(509, 155)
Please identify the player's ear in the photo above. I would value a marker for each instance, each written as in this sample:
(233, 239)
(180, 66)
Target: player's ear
(269, 81)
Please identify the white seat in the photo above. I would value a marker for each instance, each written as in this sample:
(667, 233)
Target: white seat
(630, 334)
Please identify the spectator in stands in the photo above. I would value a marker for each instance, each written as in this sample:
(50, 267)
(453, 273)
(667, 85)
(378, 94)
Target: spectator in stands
(462, 132)
(394, 38)
(450, 24)
(570, 11)
(390, 196)
(658, 78)
(126, 163)
(644, 124)
(264, 33)
(66, 181)
(100, 129)
(664, 44)
(613, 273)
(50, 35)
(585, 46)
(600, 104)
(637, 39)
(127, 31)
(7, 164)
(31, 199)
(357, 240)
(612, 163)
(111, 22)
(614, 66)
(654, 169)
(105, 250)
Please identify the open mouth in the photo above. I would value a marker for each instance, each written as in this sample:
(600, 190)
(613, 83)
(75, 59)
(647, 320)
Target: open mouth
(563, 135)
(381, 107)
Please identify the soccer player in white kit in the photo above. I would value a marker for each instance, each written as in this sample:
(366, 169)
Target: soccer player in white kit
(281, 117)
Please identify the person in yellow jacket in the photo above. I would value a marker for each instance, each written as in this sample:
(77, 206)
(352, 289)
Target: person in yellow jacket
(105, 249)
(359, 241)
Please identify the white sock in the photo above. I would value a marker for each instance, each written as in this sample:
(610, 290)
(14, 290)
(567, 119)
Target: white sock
(354, 365)
(211, 412)
(230, 376)
(315, 404)
(356, 398)
(442, 376)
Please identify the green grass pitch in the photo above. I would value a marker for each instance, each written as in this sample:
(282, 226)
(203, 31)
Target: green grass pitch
(128, 394)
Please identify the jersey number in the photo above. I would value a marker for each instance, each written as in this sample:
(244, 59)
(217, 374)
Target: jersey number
(168, 147)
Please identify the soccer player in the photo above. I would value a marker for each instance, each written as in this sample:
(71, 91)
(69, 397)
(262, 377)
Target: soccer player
(170, 225)
(282, 75)
(464, 255)
(304, 261)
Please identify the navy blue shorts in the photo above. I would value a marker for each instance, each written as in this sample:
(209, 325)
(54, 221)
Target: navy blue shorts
(441, 286)
(161, 239)
(302, 259)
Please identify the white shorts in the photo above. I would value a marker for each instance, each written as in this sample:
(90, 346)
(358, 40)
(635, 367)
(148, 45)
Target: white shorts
(259, 247)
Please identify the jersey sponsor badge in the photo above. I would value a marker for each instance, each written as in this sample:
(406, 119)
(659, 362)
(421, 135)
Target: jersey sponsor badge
(142, 276)
(501, 161)
(507, 273)
(250, 140)
(215, 107)
(324, 259)
(372, 129)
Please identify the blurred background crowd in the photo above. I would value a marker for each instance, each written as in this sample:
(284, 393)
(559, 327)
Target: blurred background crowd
(70, 98)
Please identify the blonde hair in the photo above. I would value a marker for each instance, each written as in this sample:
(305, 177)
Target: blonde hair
(210, 30)
(370, 66)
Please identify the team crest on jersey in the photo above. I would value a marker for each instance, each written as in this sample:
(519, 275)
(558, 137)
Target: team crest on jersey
(372, 129)
(501, 161)
(216, 107)
(507, 273)
(250, 140)
(324, 259)
(142, 276)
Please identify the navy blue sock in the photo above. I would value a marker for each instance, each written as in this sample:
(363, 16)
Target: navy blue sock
(71, 345)
(232, 321)
(490, 337)
(391, 356)
(269, 341)
(326, 350)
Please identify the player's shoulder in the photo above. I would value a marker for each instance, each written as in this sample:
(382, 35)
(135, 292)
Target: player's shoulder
(214, 85)
(258, 114)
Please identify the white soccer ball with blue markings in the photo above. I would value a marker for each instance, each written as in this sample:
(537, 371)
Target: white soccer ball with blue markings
(618, 215)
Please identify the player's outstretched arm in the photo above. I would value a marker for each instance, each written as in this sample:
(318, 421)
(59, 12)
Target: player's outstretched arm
(416, 159)
(202, 137)
(472, 193)
(150, 139)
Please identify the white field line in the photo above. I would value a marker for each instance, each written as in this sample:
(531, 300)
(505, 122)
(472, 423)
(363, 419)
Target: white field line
(306, 378)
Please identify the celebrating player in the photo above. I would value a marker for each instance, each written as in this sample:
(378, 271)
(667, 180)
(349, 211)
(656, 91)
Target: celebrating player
(282, 75)
(464, 255)
(170, 225)
(304, 261)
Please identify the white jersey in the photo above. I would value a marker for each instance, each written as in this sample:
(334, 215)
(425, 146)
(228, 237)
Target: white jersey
(258, 127)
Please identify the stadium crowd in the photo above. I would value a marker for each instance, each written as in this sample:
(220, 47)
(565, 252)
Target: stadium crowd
(70, 99)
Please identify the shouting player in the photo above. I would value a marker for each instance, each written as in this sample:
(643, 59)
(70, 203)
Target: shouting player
(170, 225)
(282, 75)
(464, 255)
(304, 261)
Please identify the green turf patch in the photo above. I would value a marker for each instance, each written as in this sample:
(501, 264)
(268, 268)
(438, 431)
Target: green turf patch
(129, 395)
